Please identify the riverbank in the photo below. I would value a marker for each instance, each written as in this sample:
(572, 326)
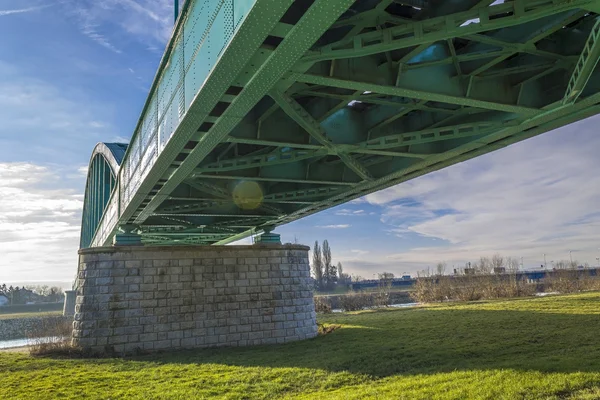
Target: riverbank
(535, 348)
(23, 327)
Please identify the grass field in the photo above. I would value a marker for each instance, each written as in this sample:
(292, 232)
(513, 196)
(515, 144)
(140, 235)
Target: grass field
(31, 314)
(540, 348)
(31, 310)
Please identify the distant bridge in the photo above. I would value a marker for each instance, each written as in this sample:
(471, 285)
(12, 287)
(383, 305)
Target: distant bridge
(532, 276)
(266, 111)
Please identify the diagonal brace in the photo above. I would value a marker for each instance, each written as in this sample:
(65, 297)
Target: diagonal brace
(293, 109)
(585, 65)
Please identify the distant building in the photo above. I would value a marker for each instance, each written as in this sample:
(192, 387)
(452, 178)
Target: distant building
(3, 300)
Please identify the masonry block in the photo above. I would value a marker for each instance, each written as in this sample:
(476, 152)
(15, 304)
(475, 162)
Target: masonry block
(165, 298)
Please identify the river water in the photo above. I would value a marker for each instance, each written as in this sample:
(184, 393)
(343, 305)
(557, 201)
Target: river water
(9, 344)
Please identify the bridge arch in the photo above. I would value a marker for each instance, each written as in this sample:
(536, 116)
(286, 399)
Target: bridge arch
(101, 183)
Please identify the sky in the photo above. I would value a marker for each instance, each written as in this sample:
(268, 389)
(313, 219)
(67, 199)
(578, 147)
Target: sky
(77, 72)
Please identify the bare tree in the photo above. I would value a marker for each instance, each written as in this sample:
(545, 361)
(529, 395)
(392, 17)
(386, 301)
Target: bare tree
(424, 273)
(497, 261)
(512, 264)
(317, 265)
(440, 268)
(484, 266)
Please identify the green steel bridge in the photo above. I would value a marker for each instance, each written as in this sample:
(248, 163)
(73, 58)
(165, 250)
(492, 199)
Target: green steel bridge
(266, 111)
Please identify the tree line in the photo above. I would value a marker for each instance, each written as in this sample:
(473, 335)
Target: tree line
(31, 294)
(326, 274)
(493, 265)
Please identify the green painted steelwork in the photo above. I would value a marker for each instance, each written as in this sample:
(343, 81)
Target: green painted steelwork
(263, 112)
(100, 187)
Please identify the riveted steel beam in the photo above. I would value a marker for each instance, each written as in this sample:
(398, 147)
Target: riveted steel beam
(414, 94)
(200, 200)
(257, 25)
(303, 194)
(315, 21)
(585, 65)
(443, 28)
(432, 135)
(554, 118)
(517, 70)
(209, 215)
(375, 98)
(347, 148)
(473, 82)
(221, 193)
(528, 45)
(188, 208)
(199, 176)
(456, 59)
(266, 160)
(314, 129)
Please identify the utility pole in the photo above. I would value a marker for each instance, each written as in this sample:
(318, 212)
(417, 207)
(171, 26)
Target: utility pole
(571, 256)
(545, 266)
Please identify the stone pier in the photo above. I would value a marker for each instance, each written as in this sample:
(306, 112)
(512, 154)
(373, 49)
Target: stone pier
(69, 305)
(137, 298)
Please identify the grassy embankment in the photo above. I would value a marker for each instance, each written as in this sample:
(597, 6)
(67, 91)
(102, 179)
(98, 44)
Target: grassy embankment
(542, 348)
(32, 314)
(31, 310)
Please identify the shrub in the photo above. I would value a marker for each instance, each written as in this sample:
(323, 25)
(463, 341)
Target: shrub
(470, 288)
(570, 281)
(356, 301)
(322, 305)
(381, 298)
(51, 337)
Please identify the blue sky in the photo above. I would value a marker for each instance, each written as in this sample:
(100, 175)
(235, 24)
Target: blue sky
(76, 72)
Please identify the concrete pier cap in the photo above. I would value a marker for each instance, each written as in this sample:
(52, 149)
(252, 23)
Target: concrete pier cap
(144, 298)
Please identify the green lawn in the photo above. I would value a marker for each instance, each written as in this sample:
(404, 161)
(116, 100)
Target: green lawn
(542, 348)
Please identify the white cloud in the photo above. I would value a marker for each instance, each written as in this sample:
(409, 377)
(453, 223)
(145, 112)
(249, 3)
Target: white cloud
(21, 11)
(350, 213)
(340, 226)
(150, 21)
(118, 139)
(41, 120)
(39, 224)
(539, 196)
(83, 170)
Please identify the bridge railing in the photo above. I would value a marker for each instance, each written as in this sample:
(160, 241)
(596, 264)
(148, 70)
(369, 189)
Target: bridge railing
(204, 29)
(108, 222)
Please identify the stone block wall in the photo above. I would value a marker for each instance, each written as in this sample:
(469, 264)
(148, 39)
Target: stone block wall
(159, 298)
(23, 328)
(69, 305)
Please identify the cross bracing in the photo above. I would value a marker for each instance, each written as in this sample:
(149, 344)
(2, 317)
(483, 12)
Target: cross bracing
(311, 103)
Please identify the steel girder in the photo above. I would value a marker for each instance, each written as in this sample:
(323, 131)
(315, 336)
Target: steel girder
(315, 103)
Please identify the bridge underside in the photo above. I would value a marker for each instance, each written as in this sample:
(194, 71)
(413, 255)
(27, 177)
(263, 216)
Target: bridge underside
(345, 98)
